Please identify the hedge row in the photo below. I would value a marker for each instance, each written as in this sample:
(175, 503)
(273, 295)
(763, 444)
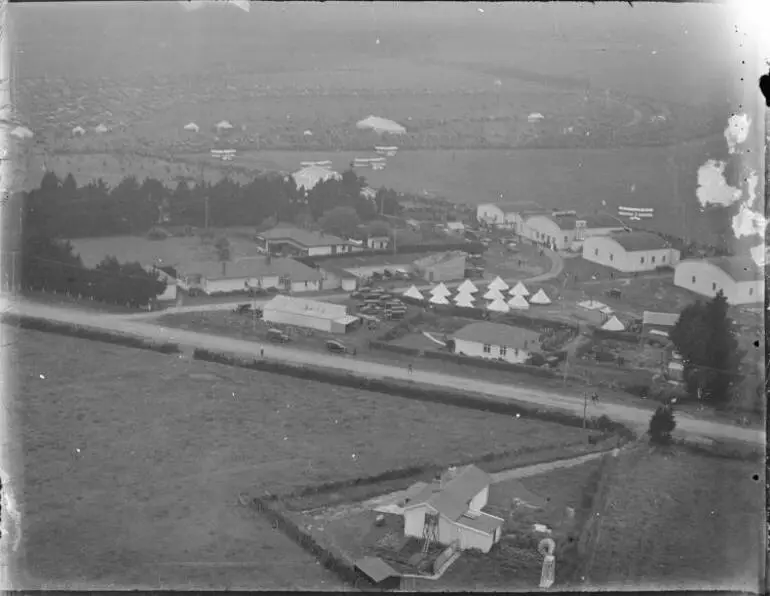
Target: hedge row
(412, 471)
(724, 450)
(393, 387)
(73, 330)
(493, 364)
(335, 562)
(380, 345)
(625, 336)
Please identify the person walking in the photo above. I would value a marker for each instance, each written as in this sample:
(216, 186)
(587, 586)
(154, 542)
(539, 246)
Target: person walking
(261, 352)
(410, 368)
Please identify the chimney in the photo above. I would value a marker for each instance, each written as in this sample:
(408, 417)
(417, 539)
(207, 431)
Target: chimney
(224, 268)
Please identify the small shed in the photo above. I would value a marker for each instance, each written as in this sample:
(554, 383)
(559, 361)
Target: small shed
(378, 573)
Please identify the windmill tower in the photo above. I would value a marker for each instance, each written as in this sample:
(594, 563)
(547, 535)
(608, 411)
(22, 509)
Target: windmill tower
(430, 530)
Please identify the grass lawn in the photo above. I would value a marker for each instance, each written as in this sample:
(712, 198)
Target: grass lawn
(133, 461)
(681, 521)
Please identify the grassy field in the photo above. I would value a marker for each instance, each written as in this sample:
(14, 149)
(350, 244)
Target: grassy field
(681, 521)
(137, 460)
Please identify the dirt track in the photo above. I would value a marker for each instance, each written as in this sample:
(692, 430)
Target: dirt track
(635, 417)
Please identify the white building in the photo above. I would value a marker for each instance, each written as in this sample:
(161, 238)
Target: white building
(630, 251)
(249, 272)
(496, 342)
(509, 215)
(380, 125)
(568, 231)
(450, 511)
(310, 314)
(294, 240)
(739, 278)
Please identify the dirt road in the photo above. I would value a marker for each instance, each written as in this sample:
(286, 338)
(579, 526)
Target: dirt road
(634, 417)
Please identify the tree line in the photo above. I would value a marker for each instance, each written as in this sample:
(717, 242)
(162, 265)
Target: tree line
(130, 208)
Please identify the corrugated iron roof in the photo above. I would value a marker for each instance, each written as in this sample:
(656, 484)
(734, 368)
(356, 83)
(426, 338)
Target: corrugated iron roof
(739, 268)
(633, 241)
(303, 306)
(377, 569)
(484, 522)
(253, 267)
(496, 334)
(665, 319)
(306, 238)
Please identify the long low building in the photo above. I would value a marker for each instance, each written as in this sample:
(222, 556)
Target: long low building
(310, 314)
(739, 278)
(303, 242)
(562, 231)
(250, 272)
(630, 252)
(496, 341)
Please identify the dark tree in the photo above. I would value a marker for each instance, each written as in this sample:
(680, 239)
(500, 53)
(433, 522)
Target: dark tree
(662, 424)
(704, 335)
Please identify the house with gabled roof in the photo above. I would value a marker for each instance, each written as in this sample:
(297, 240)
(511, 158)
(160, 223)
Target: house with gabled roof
(450, 511)
(740, 278)
(630, 252)
(566, 230)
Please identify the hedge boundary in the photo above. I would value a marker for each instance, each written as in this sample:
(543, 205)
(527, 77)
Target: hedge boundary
(407, 390)
(79, 331)
(335, 562)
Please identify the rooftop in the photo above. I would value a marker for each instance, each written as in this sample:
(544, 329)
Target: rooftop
(259, 266)
(496, 334)
(517, 206)
(377, 569)
(739, 268)
(484, 522)
(664, 319)
(303, 306)
(633, 241)
(306, 238)
(567, 222)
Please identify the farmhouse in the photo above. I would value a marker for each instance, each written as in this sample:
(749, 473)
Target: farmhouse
(630, 251)
(451, 512)
(568, 230)
(507, 215)
(738, 277)
(249, 272)
(377, 242)
(311, 314)
(446, 266)
(495, 341)
(309, 176)
(291, 240)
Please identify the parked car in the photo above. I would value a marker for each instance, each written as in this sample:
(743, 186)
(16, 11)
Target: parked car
(278, 336)
(336, 347)
(242, 309)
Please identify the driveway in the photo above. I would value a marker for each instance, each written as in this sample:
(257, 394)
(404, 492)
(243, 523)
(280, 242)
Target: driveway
(635, 417)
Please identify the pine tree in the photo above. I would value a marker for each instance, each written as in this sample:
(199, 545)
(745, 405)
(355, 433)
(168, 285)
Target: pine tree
(662, 424)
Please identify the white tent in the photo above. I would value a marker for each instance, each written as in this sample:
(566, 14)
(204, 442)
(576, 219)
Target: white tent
(438, 300)
(519, 290)
(380, 125)
(101, 129)
(22, 132)
(591, 304)
(540, 298)
(519, 303)
(413, 292)
(493, 294)
(308, 133)
(613, 325)
(441, 290)
(192, 127)
(467, 287)
(463, 299)
(224, 125)
(498, 284)
(498, 306)
(535, 117)
(78, 131)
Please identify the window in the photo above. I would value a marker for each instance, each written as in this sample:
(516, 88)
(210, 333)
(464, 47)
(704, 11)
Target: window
(714, 286)
(652, 259)
(596, 252)
(693, 279)
(525, 344)
(751, 291)
(503, 350)
(516, 352)
(612, 257)
(641, 260)
(487, 349)
(305, 284)
(663, 258)
(565, 240)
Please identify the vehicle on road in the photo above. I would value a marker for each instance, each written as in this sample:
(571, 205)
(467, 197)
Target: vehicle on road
(278, 336)
(336, 347)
